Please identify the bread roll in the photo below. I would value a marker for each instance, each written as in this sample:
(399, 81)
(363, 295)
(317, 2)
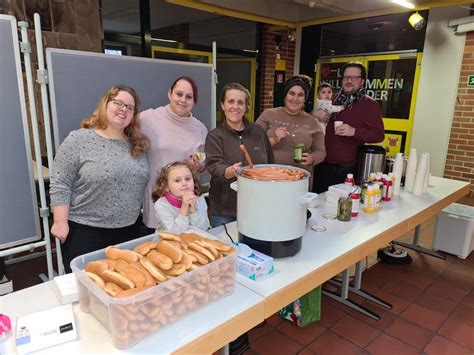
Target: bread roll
(201, 258)
(200, 249)
(96, 267)
(187, 260)
(179, 245)
(152, 269)
(190, 237)
(176, 270)
(170, 250)
(169, 236)
(218, 244)
(109, 262)
(135, 275)
(112, 288)
(118, 254)
(96, 278)
(231, 251)
(149, 280)
(209, 247)
(144, 248)
(161, 260)
(117, 278)
(193, 267)
(193, 257)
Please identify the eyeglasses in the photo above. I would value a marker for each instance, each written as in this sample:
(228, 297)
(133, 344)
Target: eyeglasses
(119, 104)
(351, 78)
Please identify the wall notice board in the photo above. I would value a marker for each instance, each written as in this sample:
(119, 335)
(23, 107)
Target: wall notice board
(19, 220)
(78, 80)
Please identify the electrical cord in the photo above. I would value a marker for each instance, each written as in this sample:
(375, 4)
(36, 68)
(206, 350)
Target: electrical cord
(226, 232)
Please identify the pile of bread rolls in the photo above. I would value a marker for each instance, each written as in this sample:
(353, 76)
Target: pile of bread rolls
(126, 273)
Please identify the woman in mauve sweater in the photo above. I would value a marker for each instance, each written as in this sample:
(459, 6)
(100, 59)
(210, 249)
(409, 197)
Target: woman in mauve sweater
(223, 154)
(174, 135)
(290, 125)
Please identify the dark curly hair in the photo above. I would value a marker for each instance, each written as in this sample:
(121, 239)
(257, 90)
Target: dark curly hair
(162, 179)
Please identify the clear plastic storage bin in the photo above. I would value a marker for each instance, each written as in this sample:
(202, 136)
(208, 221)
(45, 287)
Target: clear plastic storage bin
(454, 230)
(133, 318)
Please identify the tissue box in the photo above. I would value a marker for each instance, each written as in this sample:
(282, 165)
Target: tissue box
(65, 288)
(336, 191)
(253, 264)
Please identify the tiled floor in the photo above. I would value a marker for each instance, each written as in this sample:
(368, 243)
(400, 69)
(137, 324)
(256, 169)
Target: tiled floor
(433, 313)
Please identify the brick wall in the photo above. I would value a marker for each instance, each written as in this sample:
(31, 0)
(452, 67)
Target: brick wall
(460, 158)
(65, 24)
(269, 49)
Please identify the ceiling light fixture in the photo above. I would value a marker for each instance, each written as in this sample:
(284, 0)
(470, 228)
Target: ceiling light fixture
(416, 21)
(404, 3)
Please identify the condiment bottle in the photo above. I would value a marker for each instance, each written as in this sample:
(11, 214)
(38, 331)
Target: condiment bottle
(355, 196)
(298, 152)
(369, 199)
(387, 188)
(378, 177)
(344, 209)
(349, 180)
(5, 334)
(363, 187)
(392, 177)
(372, 177)
(378, 196)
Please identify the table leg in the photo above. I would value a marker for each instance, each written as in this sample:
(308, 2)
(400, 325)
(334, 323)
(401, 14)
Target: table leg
(344, 299)
(357, 288)
(415, 246)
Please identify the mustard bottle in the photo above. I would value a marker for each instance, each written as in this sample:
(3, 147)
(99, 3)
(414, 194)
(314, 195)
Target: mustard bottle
(378, 196)
(369, 199)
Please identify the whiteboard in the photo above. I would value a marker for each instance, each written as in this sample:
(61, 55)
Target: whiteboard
(78, 79)
(19, 219)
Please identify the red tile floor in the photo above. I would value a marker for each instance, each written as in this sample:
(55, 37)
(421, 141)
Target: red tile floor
(433, 313)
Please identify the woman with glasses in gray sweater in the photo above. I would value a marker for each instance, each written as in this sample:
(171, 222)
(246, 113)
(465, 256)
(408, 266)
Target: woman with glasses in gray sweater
(99, 176)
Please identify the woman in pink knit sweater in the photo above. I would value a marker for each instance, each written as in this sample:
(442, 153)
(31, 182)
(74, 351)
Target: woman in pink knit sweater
(174, 134)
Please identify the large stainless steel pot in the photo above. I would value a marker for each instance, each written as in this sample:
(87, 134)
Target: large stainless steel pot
(271, 215)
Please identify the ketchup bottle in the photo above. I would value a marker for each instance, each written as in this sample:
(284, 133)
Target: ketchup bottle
(387, 188)
(355, 203)
(379, 177)
(349, 180)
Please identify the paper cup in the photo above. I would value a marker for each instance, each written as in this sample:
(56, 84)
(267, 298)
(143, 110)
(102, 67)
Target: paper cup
(337, 123)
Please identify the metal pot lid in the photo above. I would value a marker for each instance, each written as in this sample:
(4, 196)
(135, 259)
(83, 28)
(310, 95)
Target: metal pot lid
(372, 149)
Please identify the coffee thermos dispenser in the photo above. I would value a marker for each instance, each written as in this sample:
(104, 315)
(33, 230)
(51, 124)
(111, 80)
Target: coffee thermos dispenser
(370, 159)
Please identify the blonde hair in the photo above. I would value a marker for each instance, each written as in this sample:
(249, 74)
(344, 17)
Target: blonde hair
(138, 142)
(162, 180)
(240, 87)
